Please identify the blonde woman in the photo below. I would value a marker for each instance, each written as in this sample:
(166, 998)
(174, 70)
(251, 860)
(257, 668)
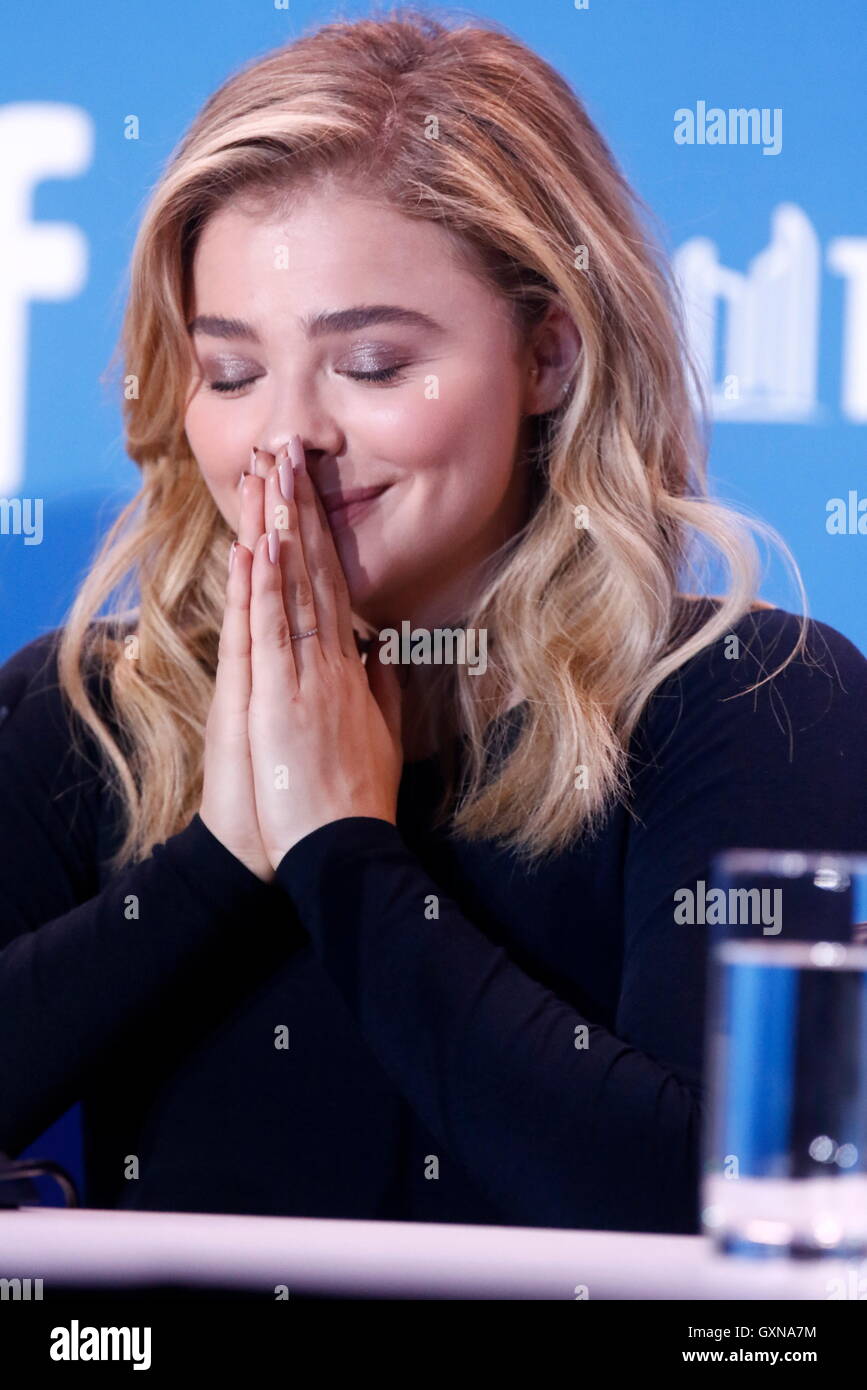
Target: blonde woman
(309, 932)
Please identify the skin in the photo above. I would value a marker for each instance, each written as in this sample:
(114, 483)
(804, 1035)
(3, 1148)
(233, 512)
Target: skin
(300, 734)
(447, 433)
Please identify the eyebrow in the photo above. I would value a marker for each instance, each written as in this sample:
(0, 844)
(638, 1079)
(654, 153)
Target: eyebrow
(317, 325)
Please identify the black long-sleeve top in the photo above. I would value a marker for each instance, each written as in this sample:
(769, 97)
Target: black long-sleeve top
(394, 1028)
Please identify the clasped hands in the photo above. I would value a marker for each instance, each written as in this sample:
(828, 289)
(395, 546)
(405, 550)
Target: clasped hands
(300, 733)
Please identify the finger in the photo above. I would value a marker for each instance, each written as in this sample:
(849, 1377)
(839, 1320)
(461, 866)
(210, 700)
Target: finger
(260, 462)
(308, 528)
(298, 594)
(251, 518)
(281, 515)
(322, 551)
(233, 678)
(274, 673)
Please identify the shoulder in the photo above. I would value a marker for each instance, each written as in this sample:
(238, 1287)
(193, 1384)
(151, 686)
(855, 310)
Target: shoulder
(50, 784)
(28, 674)
(31, 698)
(773, 687)
(54, 802)
(54, 773)
(810, 661)
(758, 740)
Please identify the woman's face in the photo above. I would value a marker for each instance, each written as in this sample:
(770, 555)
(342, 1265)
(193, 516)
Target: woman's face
(358, 328)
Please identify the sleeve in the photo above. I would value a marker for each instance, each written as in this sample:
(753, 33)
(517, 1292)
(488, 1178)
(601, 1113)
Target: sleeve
(79, 967)
(606, 1135)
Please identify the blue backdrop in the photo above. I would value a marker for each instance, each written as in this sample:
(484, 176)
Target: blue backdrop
(740, 124)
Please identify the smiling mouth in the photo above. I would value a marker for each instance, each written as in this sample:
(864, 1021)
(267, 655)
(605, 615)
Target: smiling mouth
(342, 509)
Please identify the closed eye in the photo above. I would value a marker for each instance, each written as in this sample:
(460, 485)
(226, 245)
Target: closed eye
(231, 385)
(382, 374)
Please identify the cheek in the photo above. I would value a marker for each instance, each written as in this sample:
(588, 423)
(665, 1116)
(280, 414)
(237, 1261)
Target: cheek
(217, 445)
(457, 450)
(446, 433)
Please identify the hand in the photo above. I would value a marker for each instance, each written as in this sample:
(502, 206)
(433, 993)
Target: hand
(324, 730)
(228, 806)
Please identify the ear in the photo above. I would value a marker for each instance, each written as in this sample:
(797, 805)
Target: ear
(553, 356)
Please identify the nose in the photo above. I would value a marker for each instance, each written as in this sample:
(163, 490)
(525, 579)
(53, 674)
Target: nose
(320, 434)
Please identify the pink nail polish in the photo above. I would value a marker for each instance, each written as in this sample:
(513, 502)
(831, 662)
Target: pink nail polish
(234, 547)
(296, 453)
(273, 547)
(287, 481)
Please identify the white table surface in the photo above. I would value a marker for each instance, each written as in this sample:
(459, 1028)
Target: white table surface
(84, 1246)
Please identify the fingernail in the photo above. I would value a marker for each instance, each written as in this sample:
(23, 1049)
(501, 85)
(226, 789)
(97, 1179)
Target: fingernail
(273, 547)
(258, 464)
(285, 475)
(296, 453)
(234, 547)
(244, 475)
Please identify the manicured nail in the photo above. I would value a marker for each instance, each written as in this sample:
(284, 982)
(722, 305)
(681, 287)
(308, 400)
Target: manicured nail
(258, 464)
(273, 547)
(232, 555)
(285, 475)
(296, 453)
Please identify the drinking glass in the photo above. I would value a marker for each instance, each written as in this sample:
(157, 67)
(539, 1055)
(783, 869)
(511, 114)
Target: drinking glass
(785, 1130)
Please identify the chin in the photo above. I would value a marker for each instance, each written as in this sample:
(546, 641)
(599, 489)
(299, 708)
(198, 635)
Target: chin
(374, 601)
(365, 590)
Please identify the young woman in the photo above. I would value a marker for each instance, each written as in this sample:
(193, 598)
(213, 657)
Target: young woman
(307, 938)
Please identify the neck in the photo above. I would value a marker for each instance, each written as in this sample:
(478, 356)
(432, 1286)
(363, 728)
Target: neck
(421, 712)
(428, 697)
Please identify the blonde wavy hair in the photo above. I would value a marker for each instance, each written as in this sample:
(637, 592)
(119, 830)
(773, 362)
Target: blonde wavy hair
(586, 622)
